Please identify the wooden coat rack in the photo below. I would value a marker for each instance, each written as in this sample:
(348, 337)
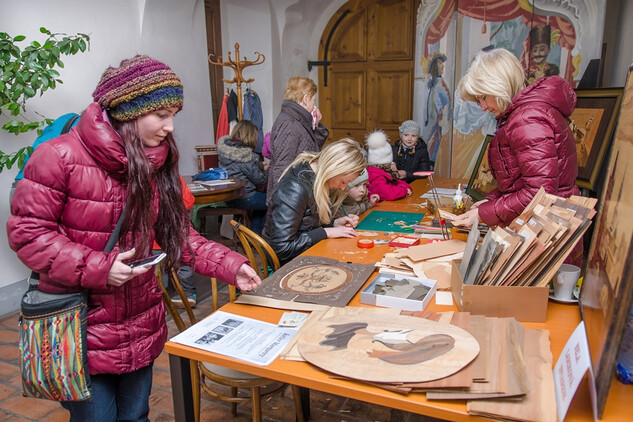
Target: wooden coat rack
(238, 65)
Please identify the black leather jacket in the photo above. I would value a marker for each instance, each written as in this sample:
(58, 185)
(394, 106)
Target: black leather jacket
(292, 224)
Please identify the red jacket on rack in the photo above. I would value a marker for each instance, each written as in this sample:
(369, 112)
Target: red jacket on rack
(223, 120)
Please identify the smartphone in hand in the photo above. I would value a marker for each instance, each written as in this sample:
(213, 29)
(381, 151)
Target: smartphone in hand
(148, 262)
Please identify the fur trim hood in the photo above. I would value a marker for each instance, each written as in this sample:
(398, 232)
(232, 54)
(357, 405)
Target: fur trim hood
(234, 151)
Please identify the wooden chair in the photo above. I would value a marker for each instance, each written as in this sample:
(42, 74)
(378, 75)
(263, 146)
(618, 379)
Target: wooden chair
(255, 244)
(207, 377)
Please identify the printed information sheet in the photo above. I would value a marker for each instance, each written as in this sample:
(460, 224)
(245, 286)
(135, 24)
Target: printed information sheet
(238, 337)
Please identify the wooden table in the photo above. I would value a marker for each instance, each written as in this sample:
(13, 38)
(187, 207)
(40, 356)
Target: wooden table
(233, 189)
(561, 321)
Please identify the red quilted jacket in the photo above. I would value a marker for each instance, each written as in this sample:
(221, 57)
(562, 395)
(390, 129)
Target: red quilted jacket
(63, 213)
(534, 147)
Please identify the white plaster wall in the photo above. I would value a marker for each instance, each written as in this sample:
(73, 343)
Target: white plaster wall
(287, 32)
(169, 31)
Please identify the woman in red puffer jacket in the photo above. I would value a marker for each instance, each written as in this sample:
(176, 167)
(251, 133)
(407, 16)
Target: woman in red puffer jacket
(533, 147)
(121, 154)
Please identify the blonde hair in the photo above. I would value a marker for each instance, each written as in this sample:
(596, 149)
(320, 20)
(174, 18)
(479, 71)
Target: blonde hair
(340, 158)
(298, 87)
(245, 131)
(496, 73)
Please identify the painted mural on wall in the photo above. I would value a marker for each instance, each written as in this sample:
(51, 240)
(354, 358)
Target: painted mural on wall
(550, 37)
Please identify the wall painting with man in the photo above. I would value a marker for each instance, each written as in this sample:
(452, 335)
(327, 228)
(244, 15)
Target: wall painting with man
(549, 37)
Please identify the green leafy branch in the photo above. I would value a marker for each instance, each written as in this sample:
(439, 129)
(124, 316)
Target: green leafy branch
(25, 73)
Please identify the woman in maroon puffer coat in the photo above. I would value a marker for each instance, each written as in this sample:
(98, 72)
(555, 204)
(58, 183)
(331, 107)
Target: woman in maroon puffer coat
(74, 189)
(533, 147)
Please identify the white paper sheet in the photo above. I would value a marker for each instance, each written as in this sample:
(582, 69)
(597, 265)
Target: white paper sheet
(445, 192)
(444, 298)
(570, 368)
(239, 337)
(217, 182)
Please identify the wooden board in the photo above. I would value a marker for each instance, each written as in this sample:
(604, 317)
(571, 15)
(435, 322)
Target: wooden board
(313, 280)
(358, 346)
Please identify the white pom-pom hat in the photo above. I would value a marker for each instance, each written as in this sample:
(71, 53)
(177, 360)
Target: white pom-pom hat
(378, 149)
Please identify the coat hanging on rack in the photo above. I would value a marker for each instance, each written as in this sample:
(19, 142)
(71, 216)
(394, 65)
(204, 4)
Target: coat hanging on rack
(223, 121)
(232, 107)
(238, 66)
(253, 112)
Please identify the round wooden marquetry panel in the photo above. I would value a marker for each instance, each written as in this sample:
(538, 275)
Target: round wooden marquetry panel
(316, 279)
(395, 349)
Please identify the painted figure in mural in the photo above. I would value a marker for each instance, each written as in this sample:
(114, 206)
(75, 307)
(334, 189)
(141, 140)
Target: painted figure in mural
(540, 41)
(533, 147)
(437, 99)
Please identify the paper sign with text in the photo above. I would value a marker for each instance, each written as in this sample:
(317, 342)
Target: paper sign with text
(570, 368)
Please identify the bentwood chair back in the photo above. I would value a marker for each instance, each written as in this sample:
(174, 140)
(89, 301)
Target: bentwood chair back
(256, 247)
(211, 378)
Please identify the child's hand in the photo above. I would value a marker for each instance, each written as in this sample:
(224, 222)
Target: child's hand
(402, 174)
(266, 165)
(393, 167)
(409, 192)
(374, 199)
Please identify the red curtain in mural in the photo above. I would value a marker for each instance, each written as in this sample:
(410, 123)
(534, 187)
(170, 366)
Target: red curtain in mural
(499, 11)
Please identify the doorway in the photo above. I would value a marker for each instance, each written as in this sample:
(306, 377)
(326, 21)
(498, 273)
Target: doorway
(368, 83)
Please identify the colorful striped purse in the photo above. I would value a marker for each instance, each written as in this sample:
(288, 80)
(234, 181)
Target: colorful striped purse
(53, 340)
(53, 355)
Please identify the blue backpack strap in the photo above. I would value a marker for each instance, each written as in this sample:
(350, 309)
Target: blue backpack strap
(61, 125)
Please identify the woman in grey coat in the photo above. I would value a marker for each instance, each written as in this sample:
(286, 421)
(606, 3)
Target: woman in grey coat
(296, 129)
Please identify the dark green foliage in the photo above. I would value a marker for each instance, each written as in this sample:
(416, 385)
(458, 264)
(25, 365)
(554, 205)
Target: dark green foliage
(27, 72)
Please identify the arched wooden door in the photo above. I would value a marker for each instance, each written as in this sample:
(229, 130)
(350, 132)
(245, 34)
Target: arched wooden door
(370, 78)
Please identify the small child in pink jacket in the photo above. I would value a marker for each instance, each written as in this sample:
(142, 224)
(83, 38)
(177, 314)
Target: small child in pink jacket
(382, 181)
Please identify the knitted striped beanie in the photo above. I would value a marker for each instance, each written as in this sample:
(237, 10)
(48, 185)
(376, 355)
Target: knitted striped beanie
(137, 87)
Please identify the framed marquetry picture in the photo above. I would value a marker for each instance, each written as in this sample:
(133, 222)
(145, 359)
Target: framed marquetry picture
(607, 289)
(593, 122)
(481, 182)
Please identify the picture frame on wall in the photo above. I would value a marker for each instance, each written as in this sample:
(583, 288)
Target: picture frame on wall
(607, 290)
(481, 182)
(593, 122)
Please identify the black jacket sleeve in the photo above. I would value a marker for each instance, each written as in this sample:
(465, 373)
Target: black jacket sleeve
(291, 228)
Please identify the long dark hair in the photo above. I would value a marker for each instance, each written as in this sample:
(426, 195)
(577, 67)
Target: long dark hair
(171, 225)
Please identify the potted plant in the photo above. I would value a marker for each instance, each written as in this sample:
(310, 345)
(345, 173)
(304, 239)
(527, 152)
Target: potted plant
(26, 72)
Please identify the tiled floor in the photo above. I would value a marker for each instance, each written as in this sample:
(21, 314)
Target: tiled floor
(323, 407)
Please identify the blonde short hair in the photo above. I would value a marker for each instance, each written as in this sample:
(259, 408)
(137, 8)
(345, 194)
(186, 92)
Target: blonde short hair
(298, 87)
(340, 158)
(496, 73)
(246, 132)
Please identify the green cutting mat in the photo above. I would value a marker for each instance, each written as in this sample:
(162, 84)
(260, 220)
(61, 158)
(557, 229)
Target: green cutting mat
(384, 221)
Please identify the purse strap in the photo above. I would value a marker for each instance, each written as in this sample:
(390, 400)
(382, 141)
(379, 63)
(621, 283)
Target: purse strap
(114, 237)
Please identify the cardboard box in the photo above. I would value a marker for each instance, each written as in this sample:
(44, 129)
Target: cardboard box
(368, 297)
(527, 304)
